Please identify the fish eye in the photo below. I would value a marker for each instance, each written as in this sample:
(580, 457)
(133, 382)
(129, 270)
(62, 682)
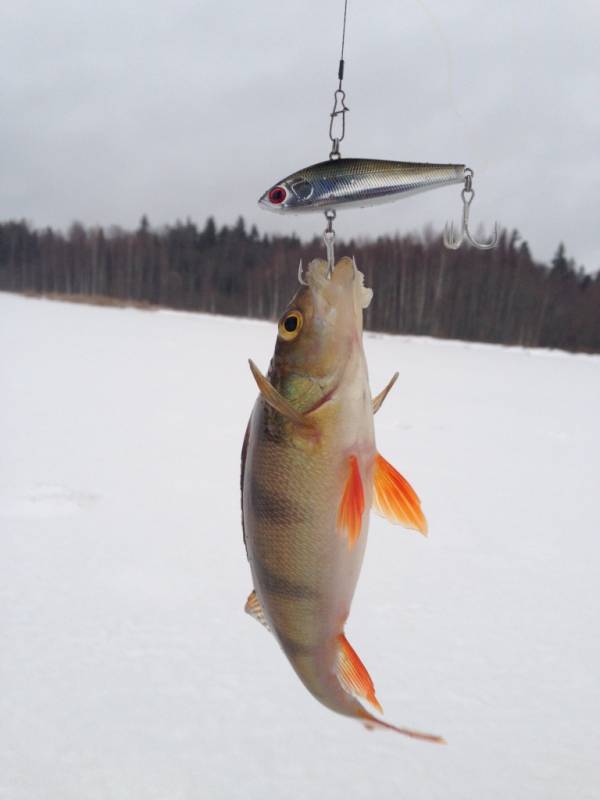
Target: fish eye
(290, 326)
(277, 195)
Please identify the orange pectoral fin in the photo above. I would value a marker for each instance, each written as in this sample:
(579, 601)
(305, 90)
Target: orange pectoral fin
(353, 675)
(395, 499)
(352, 504)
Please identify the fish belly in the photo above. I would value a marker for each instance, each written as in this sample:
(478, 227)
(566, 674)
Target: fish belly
(304, 570)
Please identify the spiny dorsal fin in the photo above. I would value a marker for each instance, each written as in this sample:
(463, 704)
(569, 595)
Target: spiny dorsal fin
(352, 504)
(395, 499)
(276, 400)
(254, 608)
(378, 401)
(353, 676)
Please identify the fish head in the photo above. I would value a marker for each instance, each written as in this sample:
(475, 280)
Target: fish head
(319, 333)
(294, 193)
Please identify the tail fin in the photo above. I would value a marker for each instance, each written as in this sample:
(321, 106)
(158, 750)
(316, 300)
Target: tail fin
(354, 679)
(372, 722)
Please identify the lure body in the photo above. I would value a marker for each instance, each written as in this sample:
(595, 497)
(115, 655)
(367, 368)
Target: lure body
(310, 472)
(356, 182)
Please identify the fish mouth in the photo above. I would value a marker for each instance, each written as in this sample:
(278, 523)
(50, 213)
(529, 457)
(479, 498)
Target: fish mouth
(264, 202)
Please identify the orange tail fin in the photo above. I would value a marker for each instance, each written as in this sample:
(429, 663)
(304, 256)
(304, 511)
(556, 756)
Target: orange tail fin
(353, 675)
(352, 504)
(395, 499)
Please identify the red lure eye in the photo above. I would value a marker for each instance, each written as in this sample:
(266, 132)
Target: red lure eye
(277, 195)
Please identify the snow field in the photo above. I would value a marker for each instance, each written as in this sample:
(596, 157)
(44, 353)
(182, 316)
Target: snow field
(127, 666)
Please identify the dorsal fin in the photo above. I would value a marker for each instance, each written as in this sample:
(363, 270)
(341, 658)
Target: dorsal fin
(254, 609)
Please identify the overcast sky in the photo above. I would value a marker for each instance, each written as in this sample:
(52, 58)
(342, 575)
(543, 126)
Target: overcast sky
(112, 109)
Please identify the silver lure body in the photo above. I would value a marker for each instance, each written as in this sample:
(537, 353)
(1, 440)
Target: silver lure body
(356, 182)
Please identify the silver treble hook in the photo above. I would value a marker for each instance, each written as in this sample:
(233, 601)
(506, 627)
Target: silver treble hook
(329, 238)
(452, 241)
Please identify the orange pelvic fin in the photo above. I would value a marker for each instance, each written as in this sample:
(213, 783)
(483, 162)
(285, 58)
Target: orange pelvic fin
(352, 504)
(395, 499)
(254, 608)
(353, 675)
(372, 722)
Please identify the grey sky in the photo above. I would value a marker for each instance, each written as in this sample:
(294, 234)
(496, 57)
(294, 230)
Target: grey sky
(180, 108)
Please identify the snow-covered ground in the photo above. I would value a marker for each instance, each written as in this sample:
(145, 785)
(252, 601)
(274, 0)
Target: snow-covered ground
(127, 666)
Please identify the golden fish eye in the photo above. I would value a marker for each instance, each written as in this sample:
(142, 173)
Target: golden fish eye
(290, 326)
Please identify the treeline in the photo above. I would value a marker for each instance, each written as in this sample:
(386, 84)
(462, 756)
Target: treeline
(501, 295)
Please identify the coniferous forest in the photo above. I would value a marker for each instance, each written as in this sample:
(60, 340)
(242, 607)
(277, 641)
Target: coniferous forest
(420, 287)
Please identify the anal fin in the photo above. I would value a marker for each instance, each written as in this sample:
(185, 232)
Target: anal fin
(353, 676)
(254, 609)
(395, 499)
(352, 504)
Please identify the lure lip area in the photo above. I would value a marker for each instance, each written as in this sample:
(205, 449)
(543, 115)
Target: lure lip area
(352, 182)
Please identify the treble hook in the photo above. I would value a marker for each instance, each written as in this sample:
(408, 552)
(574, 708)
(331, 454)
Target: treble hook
(452, 241)
(301, 275)
(329, 238)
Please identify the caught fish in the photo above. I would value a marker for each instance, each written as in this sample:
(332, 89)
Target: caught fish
(310, 473)
(347, 182)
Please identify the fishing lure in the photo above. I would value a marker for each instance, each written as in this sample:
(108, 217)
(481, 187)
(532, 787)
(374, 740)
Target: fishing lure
(351, 182)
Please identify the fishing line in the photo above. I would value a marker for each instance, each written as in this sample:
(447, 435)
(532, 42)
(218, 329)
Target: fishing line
(339, 101)
(339, 108)
(339, 105)
(350, 181)
(341, 66)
